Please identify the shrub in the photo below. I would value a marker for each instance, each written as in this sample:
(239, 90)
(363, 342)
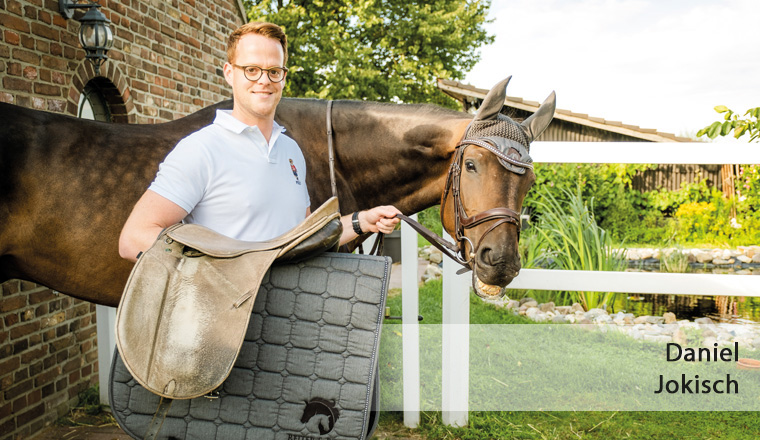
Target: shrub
(568, 237)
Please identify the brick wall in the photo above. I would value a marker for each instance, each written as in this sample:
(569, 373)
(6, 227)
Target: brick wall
(48, 354)
(166, 60)
(165, 63)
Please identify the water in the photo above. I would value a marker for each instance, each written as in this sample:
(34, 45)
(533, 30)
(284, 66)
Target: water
(731, 309)
(719, 309)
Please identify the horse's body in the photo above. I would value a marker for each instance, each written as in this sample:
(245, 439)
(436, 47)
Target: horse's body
(67, 185)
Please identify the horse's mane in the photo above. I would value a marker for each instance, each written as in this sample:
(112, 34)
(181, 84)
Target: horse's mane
(411, 109)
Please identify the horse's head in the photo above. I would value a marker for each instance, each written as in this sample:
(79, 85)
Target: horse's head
(489, 177)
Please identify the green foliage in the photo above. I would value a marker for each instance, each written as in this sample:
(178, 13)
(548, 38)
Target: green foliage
(668, 202)
(702, 214)
(88, 412)
(89, 400)
(615, 203)
(749, 124)
(390, 51)
(695, 215)
(569, 238)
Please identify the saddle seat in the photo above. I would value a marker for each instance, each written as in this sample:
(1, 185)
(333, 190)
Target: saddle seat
(309, 236)
(186, 306)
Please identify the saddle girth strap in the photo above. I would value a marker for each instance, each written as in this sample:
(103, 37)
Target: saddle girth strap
(158, 418)
(331, 149)
(377, 247)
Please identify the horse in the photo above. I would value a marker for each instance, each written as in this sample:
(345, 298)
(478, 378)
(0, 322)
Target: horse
(67, 185)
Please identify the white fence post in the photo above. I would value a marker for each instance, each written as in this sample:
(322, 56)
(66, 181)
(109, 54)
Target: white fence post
(456, 344)
(410, 306)
(106, 329)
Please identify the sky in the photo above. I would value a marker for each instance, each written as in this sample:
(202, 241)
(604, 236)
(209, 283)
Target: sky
(661, 64)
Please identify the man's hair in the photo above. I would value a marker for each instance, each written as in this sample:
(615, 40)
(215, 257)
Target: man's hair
(269, 30)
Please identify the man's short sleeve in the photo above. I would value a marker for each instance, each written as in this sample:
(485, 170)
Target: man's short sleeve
(183, 176)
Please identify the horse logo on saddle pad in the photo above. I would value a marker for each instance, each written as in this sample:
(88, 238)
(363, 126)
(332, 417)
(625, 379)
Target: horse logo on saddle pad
(323, 412)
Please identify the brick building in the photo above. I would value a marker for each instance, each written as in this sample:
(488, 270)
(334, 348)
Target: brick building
(165, 63)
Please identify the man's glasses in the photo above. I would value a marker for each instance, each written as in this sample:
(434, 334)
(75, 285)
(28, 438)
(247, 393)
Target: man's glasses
(253, 73)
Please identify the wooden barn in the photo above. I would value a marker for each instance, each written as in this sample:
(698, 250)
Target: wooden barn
(576, 127)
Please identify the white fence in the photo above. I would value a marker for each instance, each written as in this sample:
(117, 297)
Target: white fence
(456, 288)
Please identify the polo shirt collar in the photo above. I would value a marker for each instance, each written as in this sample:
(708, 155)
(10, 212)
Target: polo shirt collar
(225, 120)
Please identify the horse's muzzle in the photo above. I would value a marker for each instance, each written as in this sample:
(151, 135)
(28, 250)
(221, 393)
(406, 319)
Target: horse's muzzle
(491, 281)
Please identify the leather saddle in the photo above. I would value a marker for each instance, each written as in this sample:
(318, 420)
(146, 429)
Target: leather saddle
(186, 306)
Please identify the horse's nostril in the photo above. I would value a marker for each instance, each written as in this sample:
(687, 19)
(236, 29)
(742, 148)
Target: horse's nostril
(485, 256)
(489, 257)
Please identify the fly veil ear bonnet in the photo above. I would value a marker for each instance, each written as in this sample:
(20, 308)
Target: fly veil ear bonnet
(507, 139)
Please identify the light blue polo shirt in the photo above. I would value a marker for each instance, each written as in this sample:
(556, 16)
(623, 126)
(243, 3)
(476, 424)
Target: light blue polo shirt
(229, 179)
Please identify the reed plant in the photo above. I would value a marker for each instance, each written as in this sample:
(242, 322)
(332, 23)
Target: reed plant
(568, 237)
(673, 260)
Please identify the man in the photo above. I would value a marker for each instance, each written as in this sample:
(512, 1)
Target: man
(240, 176)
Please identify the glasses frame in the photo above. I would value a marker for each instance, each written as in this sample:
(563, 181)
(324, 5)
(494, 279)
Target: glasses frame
(262, 70)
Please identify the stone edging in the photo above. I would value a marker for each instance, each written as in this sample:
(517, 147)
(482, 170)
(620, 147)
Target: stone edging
(745, 257)
(664, 328)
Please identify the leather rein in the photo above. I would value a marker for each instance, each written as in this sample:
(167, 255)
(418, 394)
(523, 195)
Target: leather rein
(455, 251)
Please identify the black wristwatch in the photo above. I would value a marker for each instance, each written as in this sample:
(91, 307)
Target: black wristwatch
(355, 223)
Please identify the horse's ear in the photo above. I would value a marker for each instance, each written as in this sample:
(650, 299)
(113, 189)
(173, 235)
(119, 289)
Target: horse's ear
(538, 121)
(493, 102)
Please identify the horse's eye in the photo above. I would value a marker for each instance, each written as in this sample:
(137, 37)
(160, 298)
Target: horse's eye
(470, 166)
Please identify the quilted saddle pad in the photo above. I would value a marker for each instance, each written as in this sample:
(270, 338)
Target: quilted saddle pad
(307, 368)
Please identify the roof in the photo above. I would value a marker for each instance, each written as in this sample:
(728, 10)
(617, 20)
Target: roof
(468, 93)
(243, 11)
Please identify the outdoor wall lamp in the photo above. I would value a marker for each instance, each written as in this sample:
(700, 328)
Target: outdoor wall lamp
(95, 34)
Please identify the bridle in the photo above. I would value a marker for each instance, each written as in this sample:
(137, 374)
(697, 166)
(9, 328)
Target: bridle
(462, 222)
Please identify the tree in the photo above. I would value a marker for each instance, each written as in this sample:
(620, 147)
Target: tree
(392, 50)
(749, 124)
(745, 175)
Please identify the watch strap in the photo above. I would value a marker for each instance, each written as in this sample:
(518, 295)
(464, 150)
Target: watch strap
(355, 223)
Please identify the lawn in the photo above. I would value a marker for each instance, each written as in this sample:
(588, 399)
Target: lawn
(585, 383)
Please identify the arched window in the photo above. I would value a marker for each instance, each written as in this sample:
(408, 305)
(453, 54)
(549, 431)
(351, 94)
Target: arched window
(92, 104)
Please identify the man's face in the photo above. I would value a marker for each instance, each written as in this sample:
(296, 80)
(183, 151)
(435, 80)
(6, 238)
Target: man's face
(255, 99)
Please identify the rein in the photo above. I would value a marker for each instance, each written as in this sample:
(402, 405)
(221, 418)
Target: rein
(455, 251)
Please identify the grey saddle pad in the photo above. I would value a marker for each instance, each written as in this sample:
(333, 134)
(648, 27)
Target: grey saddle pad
(307, 368)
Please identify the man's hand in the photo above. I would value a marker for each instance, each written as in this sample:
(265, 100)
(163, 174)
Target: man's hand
(379, 219)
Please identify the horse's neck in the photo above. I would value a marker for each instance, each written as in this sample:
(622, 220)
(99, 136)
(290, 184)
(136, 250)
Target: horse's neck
(396, 154)
(385, 154)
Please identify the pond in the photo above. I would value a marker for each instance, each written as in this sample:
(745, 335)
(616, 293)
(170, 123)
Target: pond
(731, 309)
(718, 308)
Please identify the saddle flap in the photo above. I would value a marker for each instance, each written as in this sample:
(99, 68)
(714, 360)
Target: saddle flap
(186, 305)
(182, 325)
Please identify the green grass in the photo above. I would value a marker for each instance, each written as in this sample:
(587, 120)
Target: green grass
(579, 425)
(540, 424)
(431, 308)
